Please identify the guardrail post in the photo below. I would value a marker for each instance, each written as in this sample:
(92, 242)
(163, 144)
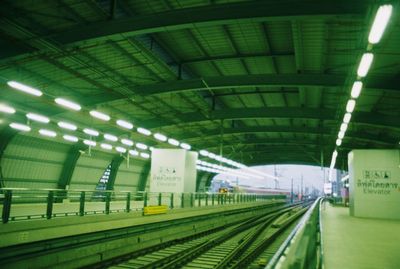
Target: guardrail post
(225, 198)
(159, 198)
(108, 198)
(182, 200)
(172, 200)
(212, 199)
(128, 202)
(6, 206)
(191, 200)
(82, 204)
(199, 197)
(145, 199)
(206, 199)
(50, 200)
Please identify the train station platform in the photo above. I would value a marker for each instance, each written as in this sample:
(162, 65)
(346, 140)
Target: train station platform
(358, 243)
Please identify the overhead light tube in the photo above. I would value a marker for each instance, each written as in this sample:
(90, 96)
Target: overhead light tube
(70, 138)
(99, 115)
(144, 131)
(110, 137)
(365, 64)
(6, 109)
(380, 22)
(347, 118)
(20, 127)
(37, 117)
(125, 124)
(68, 104)
(160, 137)
(24, 88)
(173, 142)
(356, 89)
(351, 104)
(66, 125)
(47, 133)
(91, 132)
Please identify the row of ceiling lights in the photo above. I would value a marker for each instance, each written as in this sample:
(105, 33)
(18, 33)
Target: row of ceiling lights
(378, 27)
(122, 123)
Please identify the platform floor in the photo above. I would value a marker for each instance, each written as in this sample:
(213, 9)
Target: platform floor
(359, 243)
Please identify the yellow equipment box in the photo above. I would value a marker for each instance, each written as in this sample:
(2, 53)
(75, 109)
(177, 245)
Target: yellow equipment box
(155, 209)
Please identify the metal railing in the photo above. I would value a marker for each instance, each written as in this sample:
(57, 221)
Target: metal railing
(25, 203)
(303, 248)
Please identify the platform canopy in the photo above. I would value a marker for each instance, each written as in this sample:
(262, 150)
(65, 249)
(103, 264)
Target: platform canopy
(258, 82)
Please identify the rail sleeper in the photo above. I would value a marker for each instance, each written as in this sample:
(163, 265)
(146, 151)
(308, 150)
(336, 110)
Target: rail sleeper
(155, 209)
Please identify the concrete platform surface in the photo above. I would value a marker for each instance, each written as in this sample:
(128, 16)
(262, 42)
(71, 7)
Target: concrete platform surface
(359, 243)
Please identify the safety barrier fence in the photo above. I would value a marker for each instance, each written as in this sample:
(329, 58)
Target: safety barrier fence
(303, 248)
(24, 203)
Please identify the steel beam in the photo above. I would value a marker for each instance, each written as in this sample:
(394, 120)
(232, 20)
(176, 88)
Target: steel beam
(353, 135)
(69, 166)
(209, 15)
(264, 80)
(374, 119)
(144, 174)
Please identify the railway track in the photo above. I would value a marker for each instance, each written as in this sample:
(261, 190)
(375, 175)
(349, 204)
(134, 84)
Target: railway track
(101, 247)
(237, 246)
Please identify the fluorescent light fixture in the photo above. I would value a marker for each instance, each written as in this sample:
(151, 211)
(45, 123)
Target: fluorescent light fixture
(351, 104)
(99, 115)
(218, 158)
(20, 127)
(211, 155)
(343, 127)
(127, 142)
(91, 132)
(47, 133)
(6, 109)
(173, 142)
(356, 89)
(89, 143)
(204, 153)
(110, 137)
(106, 146)
(141, 146)
(68, 104)
(144, 155)
(151, 148)
(134, 152)
(70, 138)
(381, 20)
(160, 137)
(66, 125)
(24, 88)
(365, 64)
(125, 124)
(143, 131)
(340, 135)
(338, 142)
(347, 118)
(37, 117)
(120, 149)
(186, 146)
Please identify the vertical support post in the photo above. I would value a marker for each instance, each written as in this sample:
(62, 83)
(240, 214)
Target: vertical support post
(5, 216)
(199, 199)
(234, 197)
(206, 199)
(183, 200)
(82, 204)
(128, 202)
(212, 199)
(291, 193)
(159, 198)
(225, 198)
(145, 199)
(191, 200)
(172, 200)
(108, 198)
(50, 200)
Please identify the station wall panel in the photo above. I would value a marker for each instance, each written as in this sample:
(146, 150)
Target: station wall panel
(89, 170)
(32, 162)
(127, 178)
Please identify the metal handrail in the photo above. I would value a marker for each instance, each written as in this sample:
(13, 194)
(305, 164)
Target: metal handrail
(292, 236)
(51, 197)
